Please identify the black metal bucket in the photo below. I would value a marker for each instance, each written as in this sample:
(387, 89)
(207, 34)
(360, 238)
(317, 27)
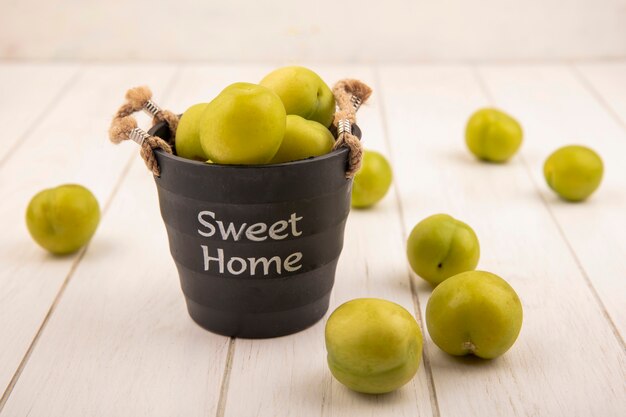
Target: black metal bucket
(256, 247)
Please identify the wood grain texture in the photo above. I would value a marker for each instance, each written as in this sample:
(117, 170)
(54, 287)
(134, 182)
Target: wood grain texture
(119, 340)
(28, 92)
(68, 145)
(566, 361)
(557, 110)
(607, 81)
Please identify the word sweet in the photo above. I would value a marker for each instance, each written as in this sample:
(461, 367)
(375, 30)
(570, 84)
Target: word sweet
(256, 232)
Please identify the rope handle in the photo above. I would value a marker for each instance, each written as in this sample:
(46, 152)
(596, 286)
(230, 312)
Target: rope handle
(349, 96)
(124, 125)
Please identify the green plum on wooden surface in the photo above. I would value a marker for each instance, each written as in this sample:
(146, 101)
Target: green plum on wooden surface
(441, 246)
(188, 133)
(493, 135)
(303, 139)
(474, 312)
(374, 346)
(303, 92)
(574, 172)
(244, 124)
(372, 181)
(63, 219)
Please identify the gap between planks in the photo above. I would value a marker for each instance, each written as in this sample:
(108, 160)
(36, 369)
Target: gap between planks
(228, 366)
(400, 214)
(596, 95)
(67, 85)
(14, 147)
(604, 103)
(57, 298)
(79, 258)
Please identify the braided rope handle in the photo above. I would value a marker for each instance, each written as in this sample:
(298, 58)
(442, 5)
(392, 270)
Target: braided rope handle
(124, 125)
(349, 95)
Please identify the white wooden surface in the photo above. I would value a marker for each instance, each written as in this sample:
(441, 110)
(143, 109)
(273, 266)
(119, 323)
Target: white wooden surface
(22, 106)
(426, 112)
(65, 146)
(106, 333)
(345, 31)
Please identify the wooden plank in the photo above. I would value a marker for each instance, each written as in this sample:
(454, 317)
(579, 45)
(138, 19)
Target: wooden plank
(566, 361)
(121, 342)
(28, 92)
(288, 376)
(69, 145)
(122, 324)
(556, 109)
(607, 82)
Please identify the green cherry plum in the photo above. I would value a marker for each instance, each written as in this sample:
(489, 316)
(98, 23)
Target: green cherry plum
(573, 172)
(303, 92)
(492, 135)
(188, 133)
(476, 313)
(372, 181)
(374, 346)
(63, 219)
(441, 246)
(244, 124)
(303, 139)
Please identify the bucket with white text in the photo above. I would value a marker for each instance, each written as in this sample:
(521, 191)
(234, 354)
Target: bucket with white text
(256, 247)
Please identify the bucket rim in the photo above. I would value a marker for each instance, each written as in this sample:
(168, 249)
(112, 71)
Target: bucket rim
(333, 154)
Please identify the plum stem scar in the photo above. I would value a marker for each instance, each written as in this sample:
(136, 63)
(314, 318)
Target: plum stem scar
(469, 346)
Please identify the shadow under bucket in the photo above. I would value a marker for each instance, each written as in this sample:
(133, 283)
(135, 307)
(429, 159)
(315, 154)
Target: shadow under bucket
(256, 247)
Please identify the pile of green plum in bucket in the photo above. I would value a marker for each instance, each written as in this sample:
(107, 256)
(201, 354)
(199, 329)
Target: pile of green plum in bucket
(374, 345)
